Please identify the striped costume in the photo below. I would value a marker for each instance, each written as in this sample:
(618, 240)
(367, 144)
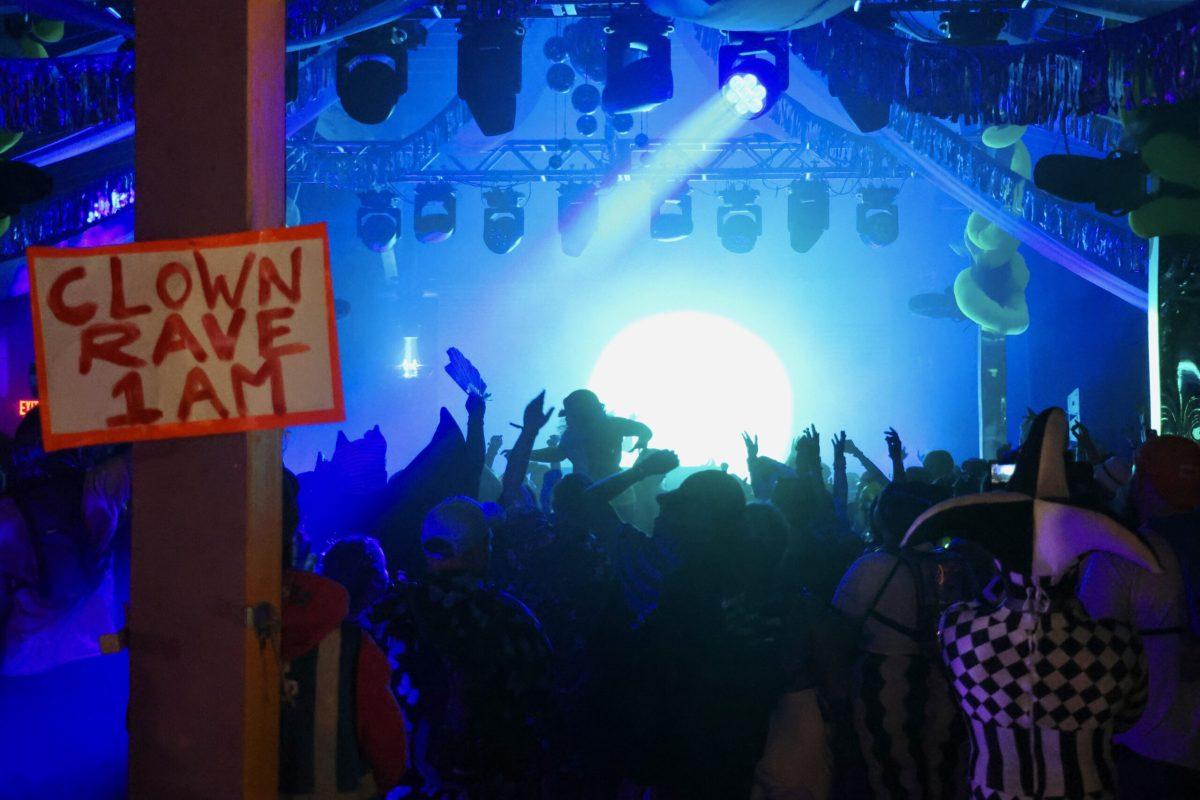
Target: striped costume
(1044, 686)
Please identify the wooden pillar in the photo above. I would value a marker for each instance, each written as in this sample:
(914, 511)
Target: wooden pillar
(204, 697)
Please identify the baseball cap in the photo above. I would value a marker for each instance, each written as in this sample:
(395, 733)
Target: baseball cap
(580, 400)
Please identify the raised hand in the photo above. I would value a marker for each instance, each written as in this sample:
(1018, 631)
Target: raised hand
(808, 451)
(495, 443)
(751, 446)
(895, 447)
(475, 404)
(535, 418)
(657, 462)
(839, 447)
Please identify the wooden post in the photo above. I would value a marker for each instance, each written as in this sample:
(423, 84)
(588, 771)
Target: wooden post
(204, 697)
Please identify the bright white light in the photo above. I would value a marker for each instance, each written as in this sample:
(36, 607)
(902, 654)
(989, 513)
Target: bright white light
(745, 93)
(698, 380)
(410, 363)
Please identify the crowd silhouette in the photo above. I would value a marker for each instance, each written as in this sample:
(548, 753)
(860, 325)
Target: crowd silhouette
(564, 628)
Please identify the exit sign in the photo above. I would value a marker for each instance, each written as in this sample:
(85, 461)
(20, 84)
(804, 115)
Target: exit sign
(25, 406)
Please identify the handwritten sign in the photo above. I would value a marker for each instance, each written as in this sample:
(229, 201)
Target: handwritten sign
(155, 340)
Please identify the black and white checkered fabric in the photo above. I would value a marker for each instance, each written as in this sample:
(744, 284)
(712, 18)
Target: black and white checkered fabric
(1043, 686)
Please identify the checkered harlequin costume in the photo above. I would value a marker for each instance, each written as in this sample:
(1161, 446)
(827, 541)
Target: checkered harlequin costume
(1042, 684)
(1043, 687)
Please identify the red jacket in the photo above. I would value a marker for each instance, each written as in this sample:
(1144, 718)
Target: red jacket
(314, 608)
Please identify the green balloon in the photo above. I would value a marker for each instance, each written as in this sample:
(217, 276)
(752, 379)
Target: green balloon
(32, 48)
(48, 30)
(1001, 136)
(9, 138)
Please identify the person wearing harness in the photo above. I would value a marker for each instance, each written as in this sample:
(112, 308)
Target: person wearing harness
(473, 666)
(1043, 685)
(341, 731)
(905, 720)
(1160, 756)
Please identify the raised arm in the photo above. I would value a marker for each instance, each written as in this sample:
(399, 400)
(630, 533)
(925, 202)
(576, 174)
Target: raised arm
(547, 455)
(808, 453)
(658, 462)
(874, 472)
(841, 487)
(896, 453)
(629, 427)
(518, 458)
(476, 406)
(494, 445)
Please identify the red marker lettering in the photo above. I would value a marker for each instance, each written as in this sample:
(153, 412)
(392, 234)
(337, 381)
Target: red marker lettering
(196, 388)
(136, 412)
(268, 333)
(117, 307)
(106, 341)
(162, 287)
(71, 315)
(219, 286)
(175, 336)
(224, 342)
(268, 275)
(271, 369)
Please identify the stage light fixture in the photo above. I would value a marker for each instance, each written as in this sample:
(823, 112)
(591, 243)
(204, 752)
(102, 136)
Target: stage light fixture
(556, 49)
(372, 71)
(621, 123)
(753, 71)
(379, 220)
(489, 71)
(587, 125)
(878, 218)
(503, 220)
(560, 78)
(808, 213)
(585, 98)
(739, 220)
(671, 221)
(578, 215)
(434, 212)
(639, 62)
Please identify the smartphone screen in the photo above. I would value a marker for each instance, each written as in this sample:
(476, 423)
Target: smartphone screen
(1002, 474)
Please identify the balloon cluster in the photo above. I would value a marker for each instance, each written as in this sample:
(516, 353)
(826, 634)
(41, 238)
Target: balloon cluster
(25, 40)
(991, 292)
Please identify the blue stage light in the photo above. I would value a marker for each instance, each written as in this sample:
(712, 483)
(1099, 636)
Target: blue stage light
(746, 94)
(639, 74)
(753, 71)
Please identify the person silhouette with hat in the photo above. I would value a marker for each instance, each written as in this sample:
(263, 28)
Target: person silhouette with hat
(592, 440)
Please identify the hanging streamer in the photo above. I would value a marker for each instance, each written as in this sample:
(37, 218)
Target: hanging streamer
(1034, 84)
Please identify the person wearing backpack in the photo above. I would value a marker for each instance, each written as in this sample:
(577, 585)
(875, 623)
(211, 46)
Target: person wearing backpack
(1160, 756)
(472, 666)
(907, 724)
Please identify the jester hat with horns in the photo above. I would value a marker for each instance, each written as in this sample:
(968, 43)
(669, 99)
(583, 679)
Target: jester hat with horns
(1033, 528)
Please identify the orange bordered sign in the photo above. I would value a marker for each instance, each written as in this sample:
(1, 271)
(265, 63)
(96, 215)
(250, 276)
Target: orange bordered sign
(155, 340)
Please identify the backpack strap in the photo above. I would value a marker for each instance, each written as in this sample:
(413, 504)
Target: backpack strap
(877, 616)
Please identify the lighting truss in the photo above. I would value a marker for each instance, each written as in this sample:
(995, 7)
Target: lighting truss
(364, 165)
